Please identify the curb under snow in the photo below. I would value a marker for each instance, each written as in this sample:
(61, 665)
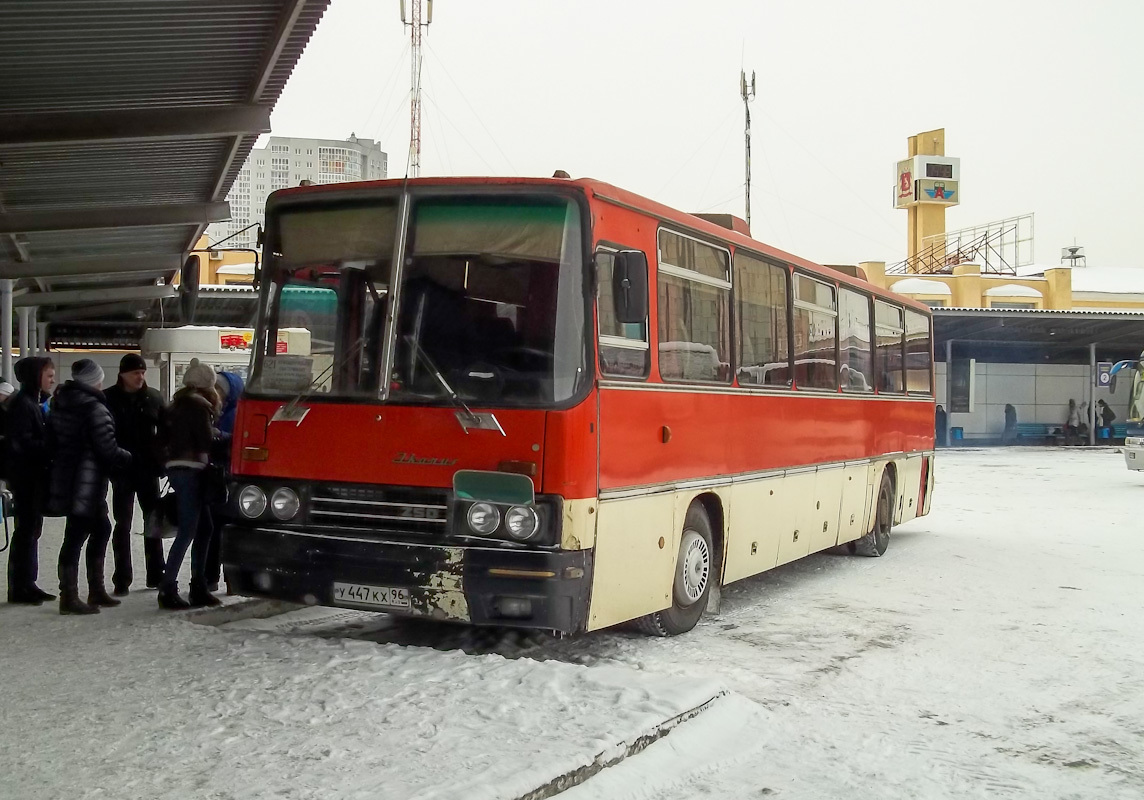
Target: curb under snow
(615, 754)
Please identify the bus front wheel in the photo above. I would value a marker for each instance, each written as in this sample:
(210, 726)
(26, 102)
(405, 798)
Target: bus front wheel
(874, 543)
(691, 586)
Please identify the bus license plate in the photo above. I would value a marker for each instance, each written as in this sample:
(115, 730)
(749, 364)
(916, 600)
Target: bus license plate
(377, 596)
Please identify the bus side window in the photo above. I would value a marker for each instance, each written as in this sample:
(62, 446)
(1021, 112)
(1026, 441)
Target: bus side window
(919, 354)
(890, 336)
(624, 348)
(856, 367)
(763, 332)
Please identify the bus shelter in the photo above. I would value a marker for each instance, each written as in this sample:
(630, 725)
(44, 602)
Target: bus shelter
(1034, 359)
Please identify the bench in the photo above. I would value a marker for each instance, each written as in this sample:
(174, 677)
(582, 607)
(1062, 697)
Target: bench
(1119, 431)
(1039, 431)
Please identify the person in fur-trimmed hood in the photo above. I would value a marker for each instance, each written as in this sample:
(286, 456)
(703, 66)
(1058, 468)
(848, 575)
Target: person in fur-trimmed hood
(190, 432)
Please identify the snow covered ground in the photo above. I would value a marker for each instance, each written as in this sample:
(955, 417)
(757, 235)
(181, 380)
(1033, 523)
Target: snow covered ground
(997, 651)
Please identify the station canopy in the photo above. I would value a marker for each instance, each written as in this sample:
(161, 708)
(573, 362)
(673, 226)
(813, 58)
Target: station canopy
(123, 125)
(1033, 335)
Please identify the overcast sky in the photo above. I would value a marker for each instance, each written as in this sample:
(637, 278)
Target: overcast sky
(1041, 100)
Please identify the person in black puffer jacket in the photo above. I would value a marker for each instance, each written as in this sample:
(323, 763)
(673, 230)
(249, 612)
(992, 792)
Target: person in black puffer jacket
(27, 462)
(82, 435)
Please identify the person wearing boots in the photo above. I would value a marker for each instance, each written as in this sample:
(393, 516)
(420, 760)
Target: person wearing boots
(137, 409)
(190, 436)
(229, 387)
(82, 432)
(27, 462)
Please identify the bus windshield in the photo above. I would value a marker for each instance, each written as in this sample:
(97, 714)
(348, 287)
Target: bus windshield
(491, 301)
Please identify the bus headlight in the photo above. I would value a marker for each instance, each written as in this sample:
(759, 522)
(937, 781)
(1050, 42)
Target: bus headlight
(484, 518)
(284, 504)
(251, 502)
(521, 522)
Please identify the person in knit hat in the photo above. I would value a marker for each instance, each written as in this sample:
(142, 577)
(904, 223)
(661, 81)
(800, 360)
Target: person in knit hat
(138, 411)
(85, 455)
(190, 436)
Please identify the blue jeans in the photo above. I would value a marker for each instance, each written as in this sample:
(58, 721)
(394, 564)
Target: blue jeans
(195, 527)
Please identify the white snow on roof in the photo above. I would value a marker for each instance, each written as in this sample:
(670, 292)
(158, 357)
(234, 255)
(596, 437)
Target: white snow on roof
(1012, 290)
(1108, 280)
(1113, 280)
(919, 286)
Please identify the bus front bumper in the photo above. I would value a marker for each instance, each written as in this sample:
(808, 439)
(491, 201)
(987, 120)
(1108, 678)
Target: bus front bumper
(1134, 452)
(546, 590)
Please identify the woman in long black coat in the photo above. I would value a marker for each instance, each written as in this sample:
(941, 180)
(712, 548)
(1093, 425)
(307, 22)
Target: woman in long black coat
(27, 463)
(82, 433)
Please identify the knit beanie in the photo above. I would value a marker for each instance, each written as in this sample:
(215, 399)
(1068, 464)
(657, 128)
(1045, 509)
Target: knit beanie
(87, 372)
(131, 362)
(198, 375)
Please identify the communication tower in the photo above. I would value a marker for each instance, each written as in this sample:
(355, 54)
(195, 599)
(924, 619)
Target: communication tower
(416, 30)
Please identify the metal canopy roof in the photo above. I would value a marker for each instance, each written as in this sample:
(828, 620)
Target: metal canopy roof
(1039, 334)
(123, 124)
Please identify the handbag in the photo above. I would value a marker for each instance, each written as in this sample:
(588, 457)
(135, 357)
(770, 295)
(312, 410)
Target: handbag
(163, 521)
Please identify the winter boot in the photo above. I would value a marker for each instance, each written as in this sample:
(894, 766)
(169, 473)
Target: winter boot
(37, 592)
(18, 593)
(200, 596)
(69, 593)
(169, 599)
(97, 593)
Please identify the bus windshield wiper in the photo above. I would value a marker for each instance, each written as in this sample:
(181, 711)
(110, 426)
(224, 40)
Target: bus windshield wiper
(465, 415)
(289, 411)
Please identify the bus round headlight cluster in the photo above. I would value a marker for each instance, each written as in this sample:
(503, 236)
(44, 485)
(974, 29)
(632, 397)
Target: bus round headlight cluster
(484, 518)
(284, 504)
(251, 502)
(521, 522)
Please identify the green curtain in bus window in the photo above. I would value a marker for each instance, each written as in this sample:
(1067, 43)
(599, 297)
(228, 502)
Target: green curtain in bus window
(918, 354)
(764, 351)
(856, 372)
(680, 251)
(532, 230)
(888, 321)
(325, 236)
(693, 340)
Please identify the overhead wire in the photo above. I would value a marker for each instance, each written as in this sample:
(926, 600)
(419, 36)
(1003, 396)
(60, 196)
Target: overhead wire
(386, 87)
(439, 62)
(464, 138)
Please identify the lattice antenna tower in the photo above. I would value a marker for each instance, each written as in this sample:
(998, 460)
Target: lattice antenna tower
(416, 31)
(748, 93)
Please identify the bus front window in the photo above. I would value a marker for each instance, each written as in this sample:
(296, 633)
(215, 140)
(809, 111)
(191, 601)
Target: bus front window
(492, 296)
(329, 273)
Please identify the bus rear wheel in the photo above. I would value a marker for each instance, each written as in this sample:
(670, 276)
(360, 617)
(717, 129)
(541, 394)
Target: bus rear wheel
(694, 574)
(875, 542)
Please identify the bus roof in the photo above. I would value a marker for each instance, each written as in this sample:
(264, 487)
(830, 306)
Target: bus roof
(606, 192)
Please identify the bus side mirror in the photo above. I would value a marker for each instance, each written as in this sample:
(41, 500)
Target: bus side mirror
(629, 286)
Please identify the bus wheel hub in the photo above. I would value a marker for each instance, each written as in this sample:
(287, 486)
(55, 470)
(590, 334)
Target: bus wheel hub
(694, 568)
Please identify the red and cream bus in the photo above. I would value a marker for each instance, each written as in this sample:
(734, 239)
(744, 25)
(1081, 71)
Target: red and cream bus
(555, 404)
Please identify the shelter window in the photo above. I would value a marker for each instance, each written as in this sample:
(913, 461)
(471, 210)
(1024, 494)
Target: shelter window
(856, 370)
(694, 310)
(815, 325)
(764, 334)
(888, 322)
(919, 355)
(624, 348)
